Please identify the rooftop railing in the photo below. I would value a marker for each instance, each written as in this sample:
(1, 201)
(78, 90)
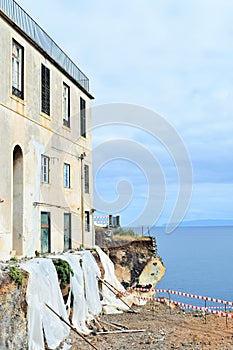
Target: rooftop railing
(41, 38)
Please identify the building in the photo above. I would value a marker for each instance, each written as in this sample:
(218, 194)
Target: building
(46, 158)
(107, 221)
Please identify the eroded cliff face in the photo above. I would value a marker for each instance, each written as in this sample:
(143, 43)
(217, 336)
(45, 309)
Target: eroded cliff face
(13, 307)
(132, 258)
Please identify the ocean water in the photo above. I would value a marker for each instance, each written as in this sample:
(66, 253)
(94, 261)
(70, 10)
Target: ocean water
(198, 260)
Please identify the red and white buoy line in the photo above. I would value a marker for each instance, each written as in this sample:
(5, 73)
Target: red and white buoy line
(210, 309)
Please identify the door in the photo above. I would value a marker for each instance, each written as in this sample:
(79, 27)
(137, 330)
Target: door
(18, 200)
(67, 231)
(45, 233)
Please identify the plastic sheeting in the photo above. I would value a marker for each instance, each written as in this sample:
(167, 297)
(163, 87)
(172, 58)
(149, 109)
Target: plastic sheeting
(43, 288)
(112, 304)
(80, 312)
(84, 287)
(91, 272)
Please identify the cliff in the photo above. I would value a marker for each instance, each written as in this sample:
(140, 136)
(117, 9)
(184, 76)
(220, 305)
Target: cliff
(131, 257)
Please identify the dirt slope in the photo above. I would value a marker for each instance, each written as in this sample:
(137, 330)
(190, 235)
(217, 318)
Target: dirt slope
(164, 329)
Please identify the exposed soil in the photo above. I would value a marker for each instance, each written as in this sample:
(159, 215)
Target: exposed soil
(164, 329)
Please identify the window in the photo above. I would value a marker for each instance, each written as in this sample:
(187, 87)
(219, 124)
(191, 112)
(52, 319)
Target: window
(86, 178)
(45, 90)
(66, 105)
(17, 69)
(45, 233)
(67, 231)
(87, 221)
(45, 169)
(66, 175)
(83, 117)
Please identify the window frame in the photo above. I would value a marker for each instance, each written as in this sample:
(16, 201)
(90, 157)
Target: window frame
(17, 67)
(66, 175)
(45, 169)
(66, 105)
(45, 89)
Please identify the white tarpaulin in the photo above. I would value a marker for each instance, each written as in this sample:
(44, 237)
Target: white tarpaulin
(43, 288)
(112, 304)
(84, 288)
(79, 315)
(91, 272)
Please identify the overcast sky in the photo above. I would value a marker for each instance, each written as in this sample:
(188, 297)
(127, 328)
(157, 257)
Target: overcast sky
(173, 57)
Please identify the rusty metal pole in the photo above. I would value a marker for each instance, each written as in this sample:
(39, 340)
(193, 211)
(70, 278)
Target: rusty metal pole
(73, 328)
(116, 292)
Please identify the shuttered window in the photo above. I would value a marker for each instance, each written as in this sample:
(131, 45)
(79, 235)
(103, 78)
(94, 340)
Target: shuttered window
(45, 90)
(86, 178)
(44, 169)
(82, 117)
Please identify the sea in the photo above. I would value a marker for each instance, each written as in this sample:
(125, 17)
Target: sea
(198, 260)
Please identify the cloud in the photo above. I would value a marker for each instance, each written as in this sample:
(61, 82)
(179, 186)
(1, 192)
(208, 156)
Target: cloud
(172, 56)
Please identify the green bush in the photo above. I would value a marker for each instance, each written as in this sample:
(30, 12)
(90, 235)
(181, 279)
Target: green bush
(63, 271)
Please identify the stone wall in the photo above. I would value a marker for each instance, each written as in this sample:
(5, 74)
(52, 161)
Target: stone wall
(13, 307)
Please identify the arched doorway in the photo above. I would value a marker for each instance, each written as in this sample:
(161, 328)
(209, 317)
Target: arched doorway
(18, 200)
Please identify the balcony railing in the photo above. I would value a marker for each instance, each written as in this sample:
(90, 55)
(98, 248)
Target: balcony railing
(38, 35)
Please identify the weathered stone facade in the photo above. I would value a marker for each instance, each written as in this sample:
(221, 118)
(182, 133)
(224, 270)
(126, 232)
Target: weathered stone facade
(46, 146)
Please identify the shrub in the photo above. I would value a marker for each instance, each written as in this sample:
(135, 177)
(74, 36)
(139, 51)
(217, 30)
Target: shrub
(63, 271)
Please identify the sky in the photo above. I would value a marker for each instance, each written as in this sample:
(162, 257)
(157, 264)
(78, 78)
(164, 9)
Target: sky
(171, 62)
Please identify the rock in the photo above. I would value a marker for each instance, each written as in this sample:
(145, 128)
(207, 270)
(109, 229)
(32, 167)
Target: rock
(13, 334)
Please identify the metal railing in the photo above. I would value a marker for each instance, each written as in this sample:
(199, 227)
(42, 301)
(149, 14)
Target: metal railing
(41, 38)
(141, 231)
